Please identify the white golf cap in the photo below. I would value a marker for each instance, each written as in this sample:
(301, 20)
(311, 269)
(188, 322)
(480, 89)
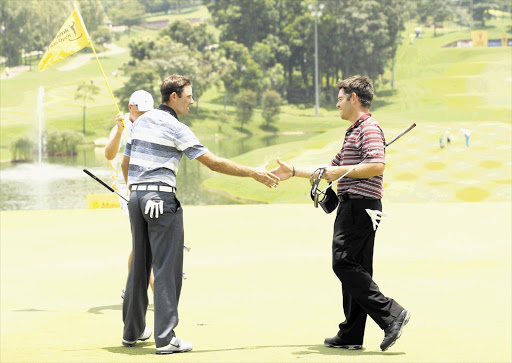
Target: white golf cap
(142, 99)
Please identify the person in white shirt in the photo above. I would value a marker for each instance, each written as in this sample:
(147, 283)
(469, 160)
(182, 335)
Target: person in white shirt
(140, 102)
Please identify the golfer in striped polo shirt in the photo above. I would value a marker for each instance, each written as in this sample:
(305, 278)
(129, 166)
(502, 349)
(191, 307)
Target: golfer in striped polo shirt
(150, 165)
(354, 233)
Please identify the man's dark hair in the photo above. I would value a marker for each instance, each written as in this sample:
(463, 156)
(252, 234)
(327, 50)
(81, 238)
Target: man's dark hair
(362, 86)
(171, 84)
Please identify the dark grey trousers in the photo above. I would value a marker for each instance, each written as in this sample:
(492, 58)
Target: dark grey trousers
(352, 262)
(157, 243)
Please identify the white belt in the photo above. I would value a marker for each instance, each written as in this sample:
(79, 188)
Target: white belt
(162, 188)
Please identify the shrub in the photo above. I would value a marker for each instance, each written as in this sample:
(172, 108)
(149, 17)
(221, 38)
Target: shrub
(245, 103)
(271, 104)
(23, 149)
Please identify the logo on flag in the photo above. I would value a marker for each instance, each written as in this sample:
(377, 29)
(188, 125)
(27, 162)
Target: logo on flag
(71, 38)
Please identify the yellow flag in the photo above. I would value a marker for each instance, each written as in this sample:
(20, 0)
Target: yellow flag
(71, 38)
(479, 38)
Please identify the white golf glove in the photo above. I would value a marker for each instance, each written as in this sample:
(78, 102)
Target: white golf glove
(376, 216)
(155, 207)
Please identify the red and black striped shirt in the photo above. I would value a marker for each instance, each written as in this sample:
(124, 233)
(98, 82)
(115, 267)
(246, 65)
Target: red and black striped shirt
(363, 139)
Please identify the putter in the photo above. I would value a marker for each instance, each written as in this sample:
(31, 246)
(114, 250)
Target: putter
(103, 183)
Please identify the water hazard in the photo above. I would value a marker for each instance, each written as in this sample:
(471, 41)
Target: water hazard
(60, 183)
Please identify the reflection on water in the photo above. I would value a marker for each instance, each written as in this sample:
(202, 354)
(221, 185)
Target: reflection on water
(60, 183)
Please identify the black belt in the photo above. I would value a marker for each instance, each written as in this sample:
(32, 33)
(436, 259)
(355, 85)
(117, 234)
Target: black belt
(345, 197)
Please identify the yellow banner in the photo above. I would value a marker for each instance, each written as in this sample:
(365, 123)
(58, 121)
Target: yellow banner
(504, 39)
(479, 38)
(71, 38)
(94, 201)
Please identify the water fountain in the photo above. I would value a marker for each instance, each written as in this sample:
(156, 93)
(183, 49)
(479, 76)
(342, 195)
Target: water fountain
(44, 185)
(40, 119)
(59, 183)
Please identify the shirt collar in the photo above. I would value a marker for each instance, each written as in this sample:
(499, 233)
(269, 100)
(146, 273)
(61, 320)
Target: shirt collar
(365, 117)
(169, 110)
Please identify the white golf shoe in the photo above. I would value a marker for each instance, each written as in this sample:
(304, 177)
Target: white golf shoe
(175, 346)
(146, 334)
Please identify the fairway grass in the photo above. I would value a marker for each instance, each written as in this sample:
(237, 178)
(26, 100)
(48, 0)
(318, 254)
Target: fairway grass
(417, 169)
(260, 286)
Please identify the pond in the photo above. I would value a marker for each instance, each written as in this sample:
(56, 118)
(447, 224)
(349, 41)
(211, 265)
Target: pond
(60, 183)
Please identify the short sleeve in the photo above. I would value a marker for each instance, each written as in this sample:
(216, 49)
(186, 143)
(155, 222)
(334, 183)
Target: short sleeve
(187, 142)
(372, 142)
(128, 149)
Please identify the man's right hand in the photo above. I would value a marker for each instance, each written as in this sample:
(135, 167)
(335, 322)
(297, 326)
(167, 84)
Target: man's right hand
(266, 177)
(119, 121)
(283, 171)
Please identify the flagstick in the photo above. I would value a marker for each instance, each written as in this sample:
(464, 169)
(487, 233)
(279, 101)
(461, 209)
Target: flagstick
(114, 177)
(98, 61)
(106, 82)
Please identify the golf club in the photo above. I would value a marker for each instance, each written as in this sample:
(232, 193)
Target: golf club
(103, 183)
(386, 145)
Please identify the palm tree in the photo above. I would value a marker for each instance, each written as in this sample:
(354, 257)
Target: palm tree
(86, 91)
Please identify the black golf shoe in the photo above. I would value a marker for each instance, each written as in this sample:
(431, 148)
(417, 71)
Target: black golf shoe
(336, 342)
(394, 330)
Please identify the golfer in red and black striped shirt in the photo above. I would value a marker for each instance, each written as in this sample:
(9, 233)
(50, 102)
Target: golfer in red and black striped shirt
(354, 235)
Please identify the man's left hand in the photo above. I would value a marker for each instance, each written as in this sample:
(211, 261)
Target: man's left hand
(332, 173)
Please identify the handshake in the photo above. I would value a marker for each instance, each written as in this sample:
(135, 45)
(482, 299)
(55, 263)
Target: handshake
(272, 178)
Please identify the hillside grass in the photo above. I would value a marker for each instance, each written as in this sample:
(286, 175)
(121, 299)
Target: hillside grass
(18, 99)
(437, 88)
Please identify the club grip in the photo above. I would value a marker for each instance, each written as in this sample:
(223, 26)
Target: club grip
(401, 134)
(98, 180)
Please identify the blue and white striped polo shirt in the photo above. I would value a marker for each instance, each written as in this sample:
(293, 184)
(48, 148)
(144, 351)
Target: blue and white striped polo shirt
(158, 141)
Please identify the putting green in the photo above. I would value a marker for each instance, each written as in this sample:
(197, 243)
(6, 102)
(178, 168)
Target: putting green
(260, 287)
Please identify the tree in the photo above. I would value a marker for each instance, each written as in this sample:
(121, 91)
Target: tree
(481, 9)
(244, 21)
(271, 104)
(140, 78)
(23, 149)
(244, 72)
(139, 50)
(86, 92)
(173, 58)
(127, 12)
(245, 104)
(28, 26)
(197, 37)
(369, 33)
(271, 27)
(101, 35)
(63, 142)
(198, 59)
(354, 37)
(14, 17)
(203, 63)
(155, 6)
(438, 10)
(92, 13)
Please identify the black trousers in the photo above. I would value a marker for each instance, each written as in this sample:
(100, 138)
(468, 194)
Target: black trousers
(352, 262)
(157, 243)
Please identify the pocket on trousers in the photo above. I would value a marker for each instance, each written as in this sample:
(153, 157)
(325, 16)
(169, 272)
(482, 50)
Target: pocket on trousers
(171, 203)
